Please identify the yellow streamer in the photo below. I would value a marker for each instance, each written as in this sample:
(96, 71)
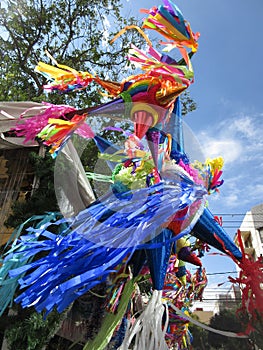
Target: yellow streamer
(122, 31)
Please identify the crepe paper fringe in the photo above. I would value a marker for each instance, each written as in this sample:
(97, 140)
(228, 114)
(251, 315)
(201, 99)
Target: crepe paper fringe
(99, 177)
(250, 281)
(164, 79)
(111, 320)
(72, 267)
(132, 27)
(181, 295)
(168, 20)
(213, 174)
(74, 264)
(168, 68)
(128, 219)
(30, 126)
(15, 258)
(199, 282)
(57, 132)
(63, 78)
(148, 330)
(115, 291)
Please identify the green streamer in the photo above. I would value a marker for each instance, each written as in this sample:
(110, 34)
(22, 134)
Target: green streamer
(9, 285)
(99, 177)
(111, 320)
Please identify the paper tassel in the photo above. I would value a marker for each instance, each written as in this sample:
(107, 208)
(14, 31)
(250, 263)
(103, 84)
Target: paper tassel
(213, 174)
(169, 22)
(63, 78)
(72, 267)
(30, 126)
(128, 222)
(58, 131)
(148, 330)
(112, 229)
(155, 64)
(15, 258)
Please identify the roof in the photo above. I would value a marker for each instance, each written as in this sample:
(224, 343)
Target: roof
(257, 214)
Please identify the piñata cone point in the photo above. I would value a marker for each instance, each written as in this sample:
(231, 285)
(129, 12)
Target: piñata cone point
(142, 122)
(153, 138)
(187, 255)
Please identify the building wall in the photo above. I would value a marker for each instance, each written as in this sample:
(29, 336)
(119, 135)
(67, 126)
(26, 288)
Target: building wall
(257, 214)
(16, 178)
(252, 231)
(204, 316)
(230, 300)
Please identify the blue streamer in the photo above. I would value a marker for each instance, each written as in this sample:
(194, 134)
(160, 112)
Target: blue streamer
(72, 267)
(100, 238)
(130, 218)
(15, 258)
(173, 10)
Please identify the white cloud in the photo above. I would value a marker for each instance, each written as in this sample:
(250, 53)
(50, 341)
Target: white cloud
(244, 126)
(229, 149)
(231, 200)
(258, 188)
(239, 141)
(235, 139)
(244, 189)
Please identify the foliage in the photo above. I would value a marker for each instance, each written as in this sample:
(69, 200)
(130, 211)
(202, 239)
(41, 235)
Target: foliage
(199, 335)
(34, 332)
(188, 104)
(43, 198)
(59, 343)
(227, 320)
(231, 321)
(75, 32)
(256, 329)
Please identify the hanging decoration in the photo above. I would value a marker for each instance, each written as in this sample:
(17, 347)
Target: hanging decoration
(151, 222)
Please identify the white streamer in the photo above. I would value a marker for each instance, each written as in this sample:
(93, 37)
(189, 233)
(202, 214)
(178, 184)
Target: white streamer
(147, 329)
(204, 326)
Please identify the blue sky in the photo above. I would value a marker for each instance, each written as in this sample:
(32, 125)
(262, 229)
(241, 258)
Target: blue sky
(229, 96)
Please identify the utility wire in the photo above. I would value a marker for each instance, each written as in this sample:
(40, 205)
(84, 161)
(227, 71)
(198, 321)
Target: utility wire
(240, 214)
(220, 273)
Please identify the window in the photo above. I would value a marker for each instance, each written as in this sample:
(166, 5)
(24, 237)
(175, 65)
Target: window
(260, 230)
(248, 242)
